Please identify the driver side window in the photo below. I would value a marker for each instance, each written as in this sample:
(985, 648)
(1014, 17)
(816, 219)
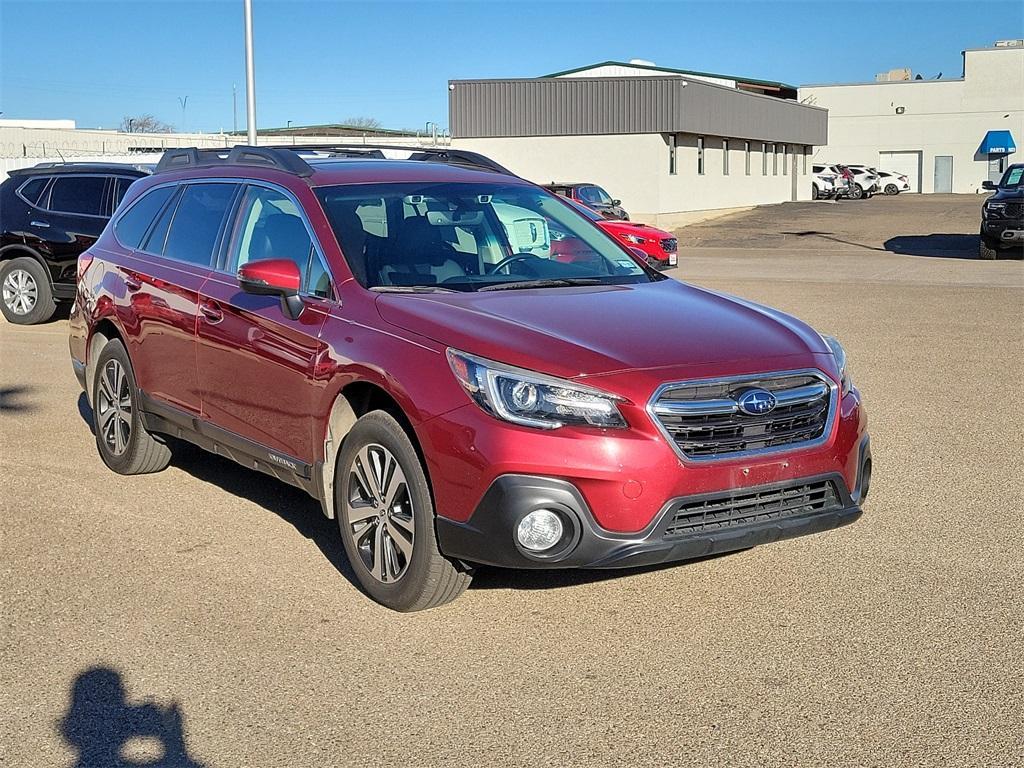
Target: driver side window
(270, 227)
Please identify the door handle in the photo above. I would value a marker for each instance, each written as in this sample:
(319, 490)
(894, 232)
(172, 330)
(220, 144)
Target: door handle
(132, 283)
(40, 224)
(211, 312)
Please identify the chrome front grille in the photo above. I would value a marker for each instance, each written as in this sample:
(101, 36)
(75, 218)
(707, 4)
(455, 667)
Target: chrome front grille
(703, 418)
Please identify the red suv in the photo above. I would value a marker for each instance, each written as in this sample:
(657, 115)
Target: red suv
(396, 338)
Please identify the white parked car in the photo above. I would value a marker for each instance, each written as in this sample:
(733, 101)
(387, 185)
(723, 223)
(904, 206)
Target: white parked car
(823, 182)
(892, 183)
(865, 181)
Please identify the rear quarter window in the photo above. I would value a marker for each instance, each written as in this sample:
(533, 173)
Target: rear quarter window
(132, 226)
(31, 190)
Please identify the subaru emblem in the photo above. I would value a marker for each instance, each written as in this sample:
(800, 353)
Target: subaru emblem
(756, 402)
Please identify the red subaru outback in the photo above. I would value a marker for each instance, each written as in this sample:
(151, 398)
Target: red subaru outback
(396, 338)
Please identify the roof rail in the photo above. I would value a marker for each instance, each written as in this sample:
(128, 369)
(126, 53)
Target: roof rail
(272, 157)
(93, 164)
(287, 157)
(462, 157)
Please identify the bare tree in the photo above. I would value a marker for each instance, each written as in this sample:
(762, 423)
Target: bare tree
(143, 124)
(370, 123)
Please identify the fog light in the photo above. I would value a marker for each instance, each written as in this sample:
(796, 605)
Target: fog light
(539, 530)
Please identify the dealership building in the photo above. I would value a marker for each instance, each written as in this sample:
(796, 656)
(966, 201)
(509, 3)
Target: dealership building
(666, 142)
(944, 134)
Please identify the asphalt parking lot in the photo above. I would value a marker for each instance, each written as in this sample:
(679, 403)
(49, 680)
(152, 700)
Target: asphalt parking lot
(212, 607)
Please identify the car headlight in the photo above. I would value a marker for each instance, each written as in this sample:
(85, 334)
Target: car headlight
(533, 399)
(840, 355)
(995, 207)
(635, 239)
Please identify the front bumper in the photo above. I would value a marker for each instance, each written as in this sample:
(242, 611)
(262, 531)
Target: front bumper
(1004, 231)
(488, 537)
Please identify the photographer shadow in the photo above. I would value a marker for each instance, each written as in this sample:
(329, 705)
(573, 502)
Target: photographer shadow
(108, 732)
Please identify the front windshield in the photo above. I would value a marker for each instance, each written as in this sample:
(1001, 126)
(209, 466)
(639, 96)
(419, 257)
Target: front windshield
(471, 237)
(1013, 178)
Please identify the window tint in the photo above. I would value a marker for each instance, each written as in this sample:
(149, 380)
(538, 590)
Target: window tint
(197, 221)
(121, 185)
(78, 194)
(270, 227)
(32, 189)
(132, 226)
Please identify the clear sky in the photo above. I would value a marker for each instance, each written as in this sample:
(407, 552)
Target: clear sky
(320, 62)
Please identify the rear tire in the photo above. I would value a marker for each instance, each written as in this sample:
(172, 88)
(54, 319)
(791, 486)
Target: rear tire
(385, 514)
(986, 250)
(122, 440)
(892, 189)
(25, 294)
(856, 192)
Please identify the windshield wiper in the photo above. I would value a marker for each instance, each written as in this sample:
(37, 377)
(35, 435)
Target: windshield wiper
(411, 289)
(556, 282)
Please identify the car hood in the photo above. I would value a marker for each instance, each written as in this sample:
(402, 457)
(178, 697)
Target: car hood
(1008, 194)
(592, 330)
(631, 228)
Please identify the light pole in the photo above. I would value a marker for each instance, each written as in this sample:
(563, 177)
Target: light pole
(250, 77)
(234, 107)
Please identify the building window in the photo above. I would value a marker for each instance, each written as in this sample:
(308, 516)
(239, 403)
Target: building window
(764, 159)
(700, 155)
(746, 157)
(725, 157)
(775, 160)
(785, 159)
(672, 154)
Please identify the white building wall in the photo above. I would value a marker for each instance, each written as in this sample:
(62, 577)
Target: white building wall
(635, 169)
(940, 117)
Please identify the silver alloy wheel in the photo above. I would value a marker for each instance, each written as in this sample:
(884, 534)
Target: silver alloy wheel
(114, 408)
(379, 513)
(20, 291)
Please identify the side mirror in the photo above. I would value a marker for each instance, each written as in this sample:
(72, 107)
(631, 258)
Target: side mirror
(616, 202)
(274, 277)
(988, 184)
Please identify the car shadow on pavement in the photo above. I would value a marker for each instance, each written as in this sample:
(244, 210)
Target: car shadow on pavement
(105, 730)
(12, 399)
(290, 504)
(506, 578)
(945, 246)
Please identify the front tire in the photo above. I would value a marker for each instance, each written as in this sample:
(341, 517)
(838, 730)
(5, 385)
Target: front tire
(986, 250)
(857, 192)
(25, 294)
(122, 440)
(386, 518)
(815, 194)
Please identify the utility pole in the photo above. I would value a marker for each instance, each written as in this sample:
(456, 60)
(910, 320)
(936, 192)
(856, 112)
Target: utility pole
(234, 107)
(184, 103)
(250, 77)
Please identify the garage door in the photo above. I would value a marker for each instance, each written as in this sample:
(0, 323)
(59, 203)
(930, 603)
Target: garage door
(907, 163)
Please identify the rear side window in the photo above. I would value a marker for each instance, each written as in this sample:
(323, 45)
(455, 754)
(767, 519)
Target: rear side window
(32, 189)
(135, 222)
(197, 222)
(78, 194)
(121, 185)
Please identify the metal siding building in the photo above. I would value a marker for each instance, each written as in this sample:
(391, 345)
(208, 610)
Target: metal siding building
(666, 145)
(594, 106)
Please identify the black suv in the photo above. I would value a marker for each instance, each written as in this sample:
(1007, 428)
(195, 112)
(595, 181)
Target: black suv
(49, 214)
(1002, 215)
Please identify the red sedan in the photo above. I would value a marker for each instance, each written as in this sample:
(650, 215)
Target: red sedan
(659, 245)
